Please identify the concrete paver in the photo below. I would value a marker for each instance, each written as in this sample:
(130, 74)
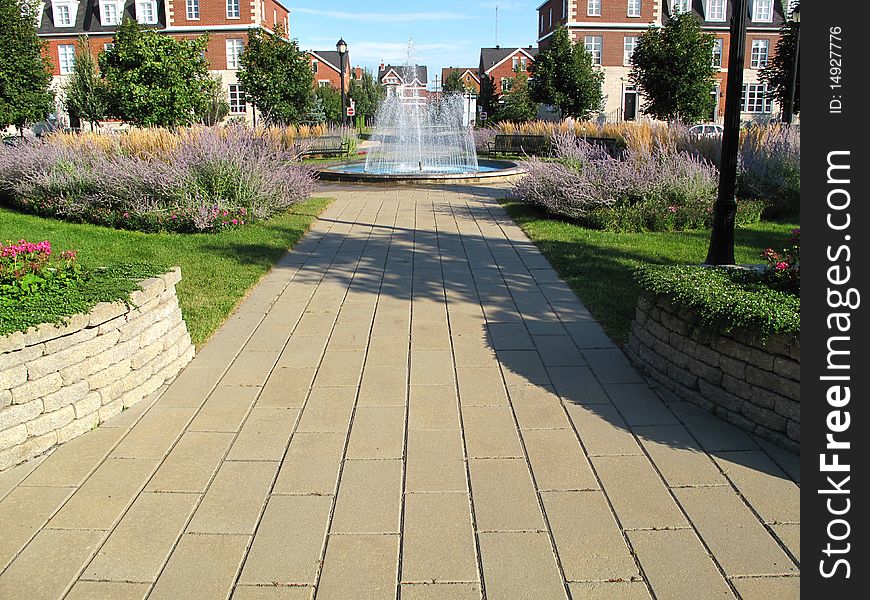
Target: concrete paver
(411, 403)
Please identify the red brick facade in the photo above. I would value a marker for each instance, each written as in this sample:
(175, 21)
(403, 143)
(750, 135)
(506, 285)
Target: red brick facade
(518, 58)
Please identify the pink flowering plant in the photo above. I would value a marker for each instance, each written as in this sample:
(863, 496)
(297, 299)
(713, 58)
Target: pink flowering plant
(27, 266)
(783, 267)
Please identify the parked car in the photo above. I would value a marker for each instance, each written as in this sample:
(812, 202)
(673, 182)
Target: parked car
(706, 130)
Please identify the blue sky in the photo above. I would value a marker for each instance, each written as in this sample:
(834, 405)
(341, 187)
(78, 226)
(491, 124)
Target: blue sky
(445, 32)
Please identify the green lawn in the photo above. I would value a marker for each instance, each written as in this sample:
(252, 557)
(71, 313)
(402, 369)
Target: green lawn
(598, 264)
(217, 269)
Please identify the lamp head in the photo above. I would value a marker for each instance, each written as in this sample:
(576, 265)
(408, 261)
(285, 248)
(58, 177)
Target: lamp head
(341, 46)
(796, 14)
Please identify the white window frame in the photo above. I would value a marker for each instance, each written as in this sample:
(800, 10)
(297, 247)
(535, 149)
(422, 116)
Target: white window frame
(550, 12)
(590, 42)
(66, 58)
(69, 8)
(720, 6)
(108, 46)
(314, 64)
(759, 99)
(234, 9)
(762, 5)
(542, 22)
(634, 8)
(515, 63)
(565, 9)
(115, 19)
(759, 54)
(237, 99)
(192, 10)
(524, 63)
(505, 85)
(151, 17)
(626, 54)
(718, 51)
(593, 8)
(680, 6)
(235, 47)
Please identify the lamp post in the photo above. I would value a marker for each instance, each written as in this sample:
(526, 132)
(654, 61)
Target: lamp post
(721, 250)
(341, 46)
(796, 19)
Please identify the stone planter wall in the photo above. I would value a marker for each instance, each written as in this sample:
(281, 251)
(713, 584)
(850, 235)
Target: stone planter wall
(57, 382)
(752, 384)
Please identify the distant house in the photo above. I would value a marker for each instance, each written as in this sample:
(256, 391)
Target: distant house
(468, 75)
(326, 68)
(502, 64)
(408, 81)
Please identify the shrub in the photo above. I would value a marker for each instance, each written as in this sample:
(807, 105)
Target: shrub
(27, 266)
(770, 168)
(784, 267)
(723, 297)
(655, 189)
(200, 179)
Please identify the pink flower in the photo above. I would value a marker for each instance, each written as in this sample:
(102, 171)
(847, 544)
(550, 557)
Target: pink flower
(235, 221)
(672, 209)
(781, 266)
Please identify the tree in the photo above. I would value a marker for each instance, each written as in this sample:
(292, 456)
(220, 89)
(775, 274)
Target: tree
(517, 102)
(85, 93)
(155, 80)
(453, 84)
(330, 100)
(25, 72)
(367, 94)
(777, 74)
(276, 76)
(218, 106)
(315, 113)
(563, 76)
(488, 98)
(672, 67)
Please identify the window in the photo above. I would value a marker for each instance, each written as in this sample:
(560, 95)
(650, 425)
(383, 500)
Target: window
(762, 11)
(233, 11)
(515, 63)
(107, 47)
(192, 10)
(62, 15)
(237, 99)
(524, 65)
(234, 50)
(66, 58)
(717, 52)
(146, 12)
(628, 45)
(715, 10)
(323, 83)
(633, 8)
(314, 67)
(593, 47)
(551, 17)
(679, 6)
(564, 9)
(758, 57)
(505, 84)
(542, 23)
(109, 15)
(262, 11)
(593, 8)
(756, 100)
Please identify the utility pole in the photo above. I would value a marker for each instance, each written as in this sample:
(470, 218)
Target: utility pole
(496, 25)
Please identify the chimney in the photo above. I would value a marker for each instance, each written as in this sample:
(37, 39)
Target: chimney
(381, 67)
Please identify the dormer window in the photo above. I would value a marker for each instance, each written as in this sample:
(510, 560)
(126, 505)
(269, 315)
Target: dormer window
(64, 12)
(762, 11)
(146, 12)
(110, 12)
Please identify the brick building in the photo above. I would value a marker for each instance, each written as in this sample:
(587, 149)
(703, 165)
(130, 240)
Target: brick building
(501, 64)
(61, 22)
(610, 28)
(326, 68)
(408, 81)
(468, 75)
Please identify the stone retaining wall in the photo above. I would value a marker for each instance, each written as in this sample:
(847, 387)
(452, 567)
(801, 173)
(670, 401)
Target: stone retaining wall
(753, 384)
(56, 382)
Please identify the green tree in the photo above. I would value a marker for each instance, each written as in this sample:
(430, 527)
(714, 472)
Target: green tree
(777, 74)
(488, 98)
(218, 106)
(672, 68)
(85, 93)
(563, 76)
(155, 80)
(276, 76)
(330, 99)
(25, 72)
(517, 103)
(315, 113)
(453, 83)
(367, 94)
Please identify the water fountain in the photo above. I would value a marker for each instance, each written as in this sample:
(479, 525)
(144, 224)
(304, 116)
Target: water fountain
(421, 139)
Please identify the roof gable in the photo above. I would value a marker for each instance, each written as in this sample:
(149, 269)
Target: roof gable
(490, 58)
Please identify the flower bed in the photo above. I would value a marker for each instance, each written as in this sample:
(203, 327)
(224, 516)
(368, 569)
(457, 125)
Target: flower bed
(199, 180)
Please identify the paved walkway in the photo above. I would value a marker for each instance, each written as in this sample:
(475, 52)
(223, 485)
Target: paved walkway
(410, 404)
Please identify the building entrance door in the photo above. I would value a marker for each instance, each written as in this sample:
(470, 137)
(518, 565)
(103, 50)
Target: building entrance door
(629, 104)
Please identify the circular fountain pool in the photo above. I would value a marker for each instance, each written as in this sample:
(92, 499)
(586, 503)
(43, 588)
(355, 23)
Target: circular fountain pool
(488, 171)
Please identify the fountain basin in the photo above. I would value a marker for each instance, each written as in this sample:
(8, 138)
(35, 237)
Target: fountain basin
(489, 171)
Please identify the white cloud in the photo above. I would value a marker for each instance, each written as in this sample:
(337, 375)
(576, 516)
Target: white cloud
(410, 17)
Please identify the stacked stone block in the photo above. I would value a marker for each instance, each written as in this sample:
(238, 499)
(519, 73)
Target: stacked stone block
(57, 382)
(750, 382)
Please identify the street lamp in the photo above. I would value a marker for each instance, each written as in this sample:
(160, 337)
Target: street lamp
(341, 46)
(721, 250)
(796, 19)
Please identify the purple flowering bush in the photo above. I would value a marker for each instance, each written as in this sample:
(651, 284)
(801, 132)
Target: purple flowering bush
(210, 179)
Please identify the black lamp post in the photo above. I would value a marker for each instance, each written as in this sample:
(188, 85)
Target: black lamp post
(341, 46)
(721, 250)
(788, 116)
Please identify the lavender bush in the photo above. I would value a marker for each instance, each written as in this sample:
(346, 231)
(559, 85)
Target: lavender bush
(210, 179)
(646, 189)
